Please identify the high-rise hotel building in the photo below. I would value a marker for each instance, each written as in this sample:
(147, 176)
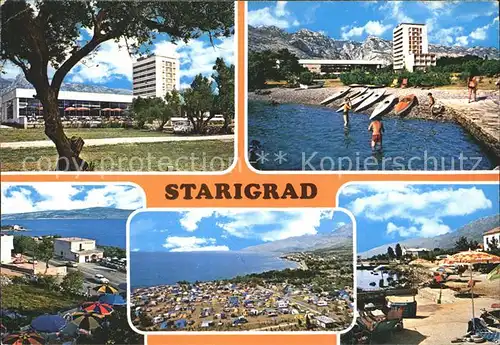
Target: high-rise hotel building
(411, 48)
(155, 75)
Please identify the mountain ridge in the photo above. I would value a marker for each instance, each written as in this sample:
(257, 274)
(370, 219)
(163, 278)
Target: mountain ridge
(85, 213)
(339, 237)
(308, 44)
(473, 231)
(20, 82)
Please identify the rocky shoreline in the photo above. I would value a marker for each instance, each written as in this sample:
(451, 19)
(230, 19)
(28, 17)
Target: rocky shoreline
(478, 118)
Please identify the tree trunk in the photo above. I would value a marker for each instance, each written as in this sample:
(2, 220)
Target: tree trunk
(68, 150)
(225, 126)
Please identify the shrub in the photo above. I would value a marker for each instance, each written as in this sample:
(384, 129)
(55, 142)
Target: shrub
(47, 281)
(306, 78)
(72, 282)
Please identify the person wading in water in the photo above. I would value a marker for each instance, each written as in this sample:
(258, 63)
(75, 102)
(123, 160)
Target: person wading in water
(347, 107)
(377, 128)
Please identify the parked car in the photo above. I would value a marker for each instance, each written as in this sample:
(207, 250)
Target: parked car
(71, 264)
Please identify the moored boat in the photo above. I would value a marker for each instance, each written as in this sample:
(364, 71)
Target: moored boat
(335, 96)
(383, 106)
(404, 104)
(375, 97)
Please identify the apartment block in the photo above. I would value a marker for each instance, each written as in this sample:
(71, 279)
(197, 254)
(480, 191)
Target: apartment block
(155, 75)
(411, 48)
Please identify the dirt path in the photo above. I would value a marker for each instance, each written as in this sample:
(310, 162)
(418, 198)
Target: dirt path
(117, 141)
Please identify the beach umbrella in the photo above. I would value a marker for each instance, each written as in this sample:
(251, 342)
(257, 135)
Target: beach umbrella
(87, 321)
(98, 308)
(469, 258)
(48, 323)
(112, 299)
(105, 289)
(24, 338)
(494, 274)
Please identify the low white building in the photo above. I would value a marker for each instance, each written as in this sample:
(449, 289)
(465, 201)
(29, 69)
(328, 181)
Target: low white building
(7, 246)
(19, 106)
(489, 236)
(417, 252)
(320, 66)
(77, 249)
(324, 321)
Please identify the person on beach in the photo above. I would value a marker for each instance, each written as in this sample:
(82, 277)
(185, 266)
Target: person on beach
(347, 107)
(432, 102)
(377, 128)
(472, 86)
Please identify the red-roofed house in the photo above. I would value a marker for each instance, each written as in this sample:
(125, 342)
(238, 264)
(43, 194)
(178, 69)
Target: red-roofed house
(491, 235)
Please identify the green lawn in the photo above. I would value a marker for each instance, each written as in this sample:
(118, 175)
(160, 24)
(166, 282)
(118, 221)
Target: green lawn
(213, 155)
(31, 300)
(30, 134)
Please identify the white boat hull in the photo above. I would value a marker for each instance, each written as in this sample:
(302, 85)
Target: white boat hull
(383, 106)
(376, 95)
(357, 100)
(335, 96)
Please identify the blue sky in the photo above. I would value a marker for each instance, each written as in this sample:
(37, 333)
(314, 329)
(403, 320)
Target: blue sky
(111, 64)
(224, 230)
(390, 212)
(464, 23)
(46, 196)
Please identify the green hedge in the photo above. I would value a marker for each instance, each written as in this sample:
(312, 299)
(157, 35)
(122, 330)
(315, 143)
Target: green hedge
(386, 78)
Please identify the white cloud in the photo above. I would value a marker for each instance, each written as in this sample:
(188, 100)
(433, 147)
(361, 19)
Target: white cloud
(190, 219)
(135, 250)
(424, 209)
(480, 33)
(445, 36)
(462, 40)
(435, 5)
(192, 244)
(280, 9)
(263, 225)
(395, 11)
(278, 16)
(17, 198)
(375, 28)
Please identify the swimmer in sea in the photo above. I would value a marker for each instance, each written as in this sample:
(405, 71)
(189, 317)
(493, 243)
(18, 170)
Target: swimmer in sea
(377, 128)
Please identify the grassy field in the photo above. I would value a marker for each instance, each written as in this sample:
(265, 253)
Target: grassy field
(30, 134)
(213, 155)
(32, 300)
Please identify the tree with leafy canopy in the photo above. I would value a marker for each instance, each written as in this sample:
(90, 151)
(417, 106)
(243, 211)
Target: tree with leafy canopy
(45, 251)
(72, 282)
(173, 107)
(224, 100)
(23, 244)
(463, 244)
(149, 110)
(399, 251)
(390, 253)
(199, 102)
(41, 35)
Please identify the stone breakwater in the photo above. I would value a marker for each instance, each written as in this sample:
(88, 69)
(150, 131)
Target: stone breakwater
(480, 119)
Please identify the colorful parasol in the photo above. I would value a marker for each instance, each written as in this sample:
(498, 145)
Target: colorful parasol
(87, 321)
(98, 308)
(470, 258)
(24, 338)
(106, 288)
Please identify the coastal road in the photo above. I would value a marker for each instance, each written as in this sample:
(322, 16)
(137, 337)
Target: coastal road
(117, 141)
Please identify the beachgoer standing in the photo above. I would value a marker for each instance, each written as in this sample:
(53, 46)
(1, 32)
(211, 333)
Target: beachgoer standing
(432, 101)
(347, 107)
(377, 128)
(472, 86)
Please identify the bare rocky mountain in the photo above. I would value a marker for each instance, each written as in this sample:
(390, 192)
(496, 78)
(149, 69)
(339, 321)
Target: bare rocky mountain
(473, 231)
(340, 237)
(307, 44)
(7, 85)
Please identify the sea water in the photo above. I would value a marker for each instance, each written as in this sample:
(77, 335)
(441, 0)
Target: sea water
(365, 277)
(106, 232)
(165, 268)
(302, 137)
